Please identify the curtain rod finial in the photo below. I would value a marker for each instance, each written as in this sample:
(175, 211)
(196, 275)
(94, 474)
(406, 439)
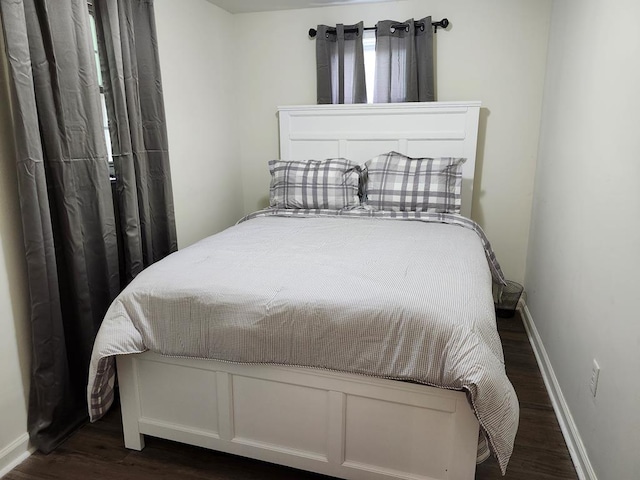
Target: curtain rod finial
(444, 23)
(312, 32)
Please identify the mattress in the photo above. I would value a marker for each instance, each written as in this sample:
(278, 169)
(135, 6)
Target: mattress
(397, 296)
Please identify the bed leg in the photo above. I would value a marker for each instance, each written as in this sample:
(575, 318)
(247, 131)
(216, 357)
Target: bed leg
(133, 439)
(129, 401)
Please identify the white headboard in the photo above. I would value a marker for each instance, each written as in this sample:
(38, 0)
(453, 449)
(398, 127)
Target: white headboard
(360, 132)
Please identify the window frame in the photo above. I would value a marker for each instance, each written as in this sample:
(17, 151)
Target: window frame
(103, 100)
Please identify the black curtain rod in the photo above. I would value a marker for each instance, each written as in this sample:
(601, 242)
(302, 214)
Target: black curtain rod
(444, 23)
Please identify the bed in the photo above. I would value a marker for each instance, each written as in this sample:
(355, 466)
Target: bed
(319, 357)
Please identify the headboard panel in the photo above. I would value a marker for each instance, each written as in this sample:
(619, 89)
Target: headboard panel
(359, 132)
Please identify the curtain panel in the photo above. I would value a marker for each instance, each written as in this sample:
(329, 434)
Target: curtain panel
(68, 217)
(128, 45)
(340, 64)
(404, 62)
(66, 204)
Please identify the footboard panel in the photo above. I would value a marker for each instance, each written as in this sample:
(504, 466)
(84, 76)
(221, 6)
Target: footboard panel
(348, 426)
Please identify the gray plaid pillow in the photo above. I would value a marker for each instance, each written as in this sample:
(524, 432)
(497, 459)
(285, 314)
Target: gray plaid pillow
(399, 183)
(331, 184)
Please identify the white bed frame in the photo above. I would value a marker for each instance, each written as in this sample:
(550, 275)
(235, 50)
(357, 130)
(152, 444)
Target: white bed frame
(348, 426)
(360, 132)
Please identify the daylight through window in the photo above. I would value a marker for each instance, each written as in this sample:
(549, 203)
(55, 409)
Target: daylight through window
(103, 104)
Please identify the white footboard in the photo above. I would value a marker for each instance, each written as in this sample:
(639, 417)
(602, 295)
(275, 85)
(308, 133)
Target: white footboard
(348, 426)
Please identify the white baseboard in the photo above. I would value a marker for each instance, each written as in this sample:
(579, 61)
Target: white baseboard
(14, 454)
(565, 419)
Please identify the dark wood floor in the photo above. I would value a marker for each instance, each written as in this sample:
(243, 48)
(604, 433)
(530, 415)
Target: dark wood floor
(540, 452)
(97, 452)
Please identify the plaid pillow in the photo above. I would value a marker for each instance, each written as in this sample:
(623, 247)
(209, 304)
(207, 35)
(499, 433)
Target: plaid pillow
(399, 183)
(331, 184)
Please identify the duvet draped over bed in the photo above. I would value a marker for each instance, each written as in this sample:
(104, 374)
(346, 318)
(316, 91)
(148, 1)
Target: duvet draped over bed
(356, 291)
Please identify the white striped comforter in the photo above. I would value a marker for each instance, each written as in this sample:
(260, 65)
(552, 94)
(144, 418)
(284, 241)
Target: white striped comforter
(406, 300)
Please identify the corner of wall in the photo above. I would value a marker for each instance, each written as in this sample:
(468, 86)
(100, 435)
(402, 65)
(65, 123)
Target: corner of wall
(568, 426)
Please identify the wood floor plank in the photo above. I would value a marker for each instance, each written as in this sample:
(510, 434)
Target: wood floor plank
(97, 450)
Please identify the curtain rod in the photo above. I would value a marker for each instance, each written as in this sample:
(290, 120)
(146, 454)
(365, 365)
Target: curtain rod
(444, 23)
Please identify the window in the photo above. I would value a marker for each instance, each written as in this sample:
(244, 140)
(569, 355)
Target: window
(103, 103)
(369, 44)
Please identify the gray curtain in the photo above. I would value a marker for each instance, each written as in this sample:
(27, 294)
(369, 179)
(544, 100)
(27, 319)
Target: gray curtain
(404, 62)
(65, 198)
(340, 64)
(133, 89)
(69, 226)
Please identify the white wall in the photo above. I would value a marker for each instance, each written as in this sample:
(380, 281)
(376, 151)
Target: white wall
(495, 52)
(199, 97)
(14, 319)
(584, 255)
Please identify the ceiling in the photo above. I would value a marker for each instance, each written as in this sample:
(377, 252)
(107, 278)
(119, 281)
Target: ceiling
(247, 6)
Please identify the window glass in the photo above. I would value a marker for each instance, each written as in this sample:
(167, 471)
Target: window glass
(103, 104)
(369, 44)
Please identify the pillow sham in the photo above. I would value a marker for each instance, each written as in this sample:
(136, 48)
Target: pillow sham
(399, 183)
(331, 184)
